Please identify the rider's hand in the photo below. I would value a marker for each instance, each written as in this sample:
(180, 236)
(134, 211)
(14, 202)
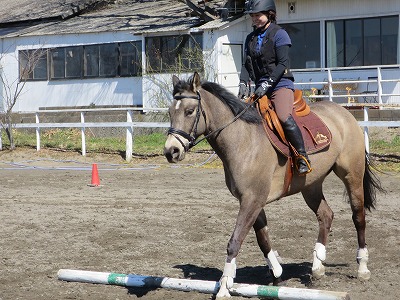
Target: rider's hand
(243, 90)
(263, 88)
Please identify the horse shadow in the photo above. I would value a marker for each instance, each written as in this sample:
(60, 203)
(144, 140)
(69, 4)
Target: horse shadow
(258, 275)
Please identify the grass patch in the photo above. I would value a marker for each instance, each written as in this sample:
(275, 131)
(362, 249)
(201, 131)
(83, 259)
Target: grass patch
(385, 153)
(71, 140)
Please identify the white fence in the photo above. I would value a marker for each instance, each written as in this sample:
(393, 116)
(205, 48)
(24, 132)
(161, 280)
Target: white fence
(130, 124)
(370, 84)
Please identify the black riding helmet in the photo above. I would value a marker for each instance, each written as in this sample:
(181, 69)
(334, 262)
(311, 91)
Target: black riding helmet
(256, 6)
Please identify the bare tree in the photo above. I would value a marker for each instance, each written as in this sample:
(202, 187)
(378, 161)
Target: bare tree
(29, 62)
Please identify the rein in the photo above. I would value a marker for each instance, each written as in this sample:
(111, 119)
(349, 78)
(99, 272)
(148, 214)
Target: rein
(192, 138)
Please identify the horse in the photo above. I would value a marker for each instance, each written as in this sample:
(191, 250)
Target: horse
(255, 171)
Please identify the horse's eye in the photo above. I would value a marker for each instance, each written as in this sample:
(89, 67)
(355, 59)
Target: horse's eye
(189, 112)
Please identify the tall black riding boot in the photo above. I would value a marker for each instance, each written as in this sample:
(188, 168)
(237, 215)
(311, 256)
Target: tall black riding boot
(294, 136)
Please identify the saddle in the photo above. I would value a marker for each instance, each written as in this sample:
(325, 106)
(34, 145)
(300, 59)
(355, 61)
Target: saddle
(316, 134)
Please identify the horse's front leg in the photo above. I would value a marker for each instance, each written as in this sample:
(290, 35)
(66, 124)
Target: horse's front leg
(271, 257)
(248, 212)
(316, 201)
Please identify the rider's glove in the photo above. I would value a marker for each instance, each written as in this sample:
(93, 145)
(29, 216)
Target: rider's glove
(263, 88)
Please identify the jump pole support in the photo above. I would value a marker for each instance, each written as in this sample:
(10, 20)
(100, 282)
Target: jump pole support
(202, 286)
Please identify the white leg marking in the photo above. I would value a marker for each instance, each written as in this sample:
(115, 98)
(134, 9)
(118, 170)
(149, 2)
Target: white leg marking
(320, 250)
(362, 260)
(274, 264)
(226, 281)
(319, 255)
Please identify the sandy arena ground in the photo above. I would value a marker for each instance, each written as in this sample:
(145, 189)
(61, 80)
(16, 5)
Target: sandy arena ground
(152, 218)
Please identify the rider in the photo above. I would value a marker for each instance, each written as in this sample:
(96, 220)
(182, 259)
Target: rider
(266, 63)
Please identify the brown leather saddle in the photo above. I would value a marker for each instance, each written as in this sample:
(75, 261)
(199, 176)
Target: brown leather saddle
(316, 134)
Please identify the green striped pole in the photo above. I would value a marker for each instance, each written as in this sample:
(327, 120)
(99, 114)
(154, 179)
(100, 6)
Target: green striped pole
(202, 286)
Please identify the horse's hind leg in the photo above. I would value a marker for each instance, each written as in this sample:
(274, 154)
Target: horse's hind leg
(316, 201)
(273, 261)
(355, 189)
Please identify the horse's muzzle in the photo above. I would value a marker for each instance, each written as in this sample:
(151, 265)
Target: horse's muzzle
(173, 150)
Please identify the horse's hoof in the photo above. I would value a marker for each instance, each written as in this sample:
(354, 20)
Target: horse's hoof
(223, 296)
(318, 273)
(364, 276)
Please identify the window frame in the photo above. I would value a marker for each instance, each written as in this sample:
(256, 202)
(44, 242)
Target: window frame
(365, 58)
(31, 73)
(57, 67)
(168, 53)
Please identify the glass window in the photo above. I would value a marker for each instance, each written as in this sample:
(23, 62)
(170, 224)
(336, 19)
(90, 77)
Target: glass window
(102, 60)
(353, 40)
(108, 60)
(57, 62)
(335, 44)
(91, 61)
(73, 62)
(130, 59)
(362, 42)
(390, 40)
(174, 53)
(33, 64)
(305, 50)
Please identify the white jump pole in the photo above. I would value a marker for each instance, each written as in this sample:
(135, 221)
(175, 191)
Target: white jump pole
(202, 286)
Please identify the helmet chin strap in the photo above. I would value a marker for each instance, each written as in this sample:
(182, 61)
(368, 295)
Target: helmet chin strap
(266, 25)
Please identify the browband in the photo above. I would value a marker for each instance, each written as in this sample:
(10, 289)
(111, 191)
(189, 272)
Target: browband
(180, 97)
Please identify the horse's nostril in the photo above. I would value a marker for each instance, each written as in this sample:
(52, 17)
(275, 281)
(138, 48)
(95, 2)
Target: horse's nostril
(175, 150)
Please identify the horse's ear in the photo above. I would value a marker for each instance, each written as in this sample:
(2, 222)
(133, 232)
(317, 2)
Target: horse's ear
(196, 84)
(175, 80)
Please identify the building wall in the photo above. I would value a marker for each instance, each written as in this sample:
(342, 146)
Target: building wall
(312, 10)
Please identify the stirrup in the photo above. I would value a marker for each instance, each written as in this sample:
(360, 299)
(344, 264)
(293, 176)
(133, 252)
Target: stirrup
(297, 160)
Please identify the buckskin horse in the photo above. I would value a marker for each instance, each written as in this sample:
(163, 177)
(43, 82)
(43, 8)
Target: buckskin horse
(255, 171)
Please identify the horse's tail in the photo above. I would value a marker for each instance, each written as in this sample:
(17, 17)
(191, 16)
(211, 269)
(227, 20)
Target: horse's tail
(371, 185)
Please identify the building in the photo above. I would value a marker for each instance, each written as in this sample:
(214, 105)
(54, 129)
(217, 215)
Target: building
(78, 53)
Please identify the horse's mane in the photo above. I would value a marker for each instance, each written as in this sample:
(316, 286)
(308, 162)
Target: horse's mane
(232, 101)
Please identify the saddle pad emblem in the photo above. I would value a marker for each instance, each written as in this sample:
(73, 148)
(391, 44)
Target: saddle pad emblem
(320, 138)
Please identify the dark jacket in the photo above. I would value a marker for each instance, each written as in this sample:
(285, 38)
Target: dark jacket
(270, 62)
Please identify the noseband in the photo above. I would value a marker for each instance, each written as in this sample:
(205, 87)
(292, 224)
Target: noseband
(189, 136)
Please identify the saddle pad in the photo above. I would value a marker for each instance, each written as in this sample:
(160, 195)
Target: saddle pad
(316, 134)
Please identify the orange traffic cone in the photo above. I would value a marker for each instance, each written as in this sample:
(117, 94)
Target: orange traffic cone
(95, 176)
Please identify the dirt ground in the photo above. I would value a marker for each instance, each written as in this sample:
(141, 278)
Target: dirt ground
(151, 218)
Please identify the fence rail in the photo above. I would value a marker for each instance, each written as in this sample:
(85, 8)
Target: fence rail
(130, 124)
(328, 88)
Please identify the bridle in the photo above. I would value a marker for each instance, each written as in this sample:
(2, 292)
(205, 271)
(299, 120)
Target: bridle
(191, 137)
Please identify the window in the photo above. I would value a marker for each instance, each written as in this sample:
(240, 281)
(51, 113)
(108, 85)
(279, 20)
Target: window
(33, 64)
(305, 50)
(108, 60)
(174, 53)
(91, 62)
(130, 59)
(65, 63)
(362, 42)
(57, 63)
(73, 62)
(88, 61)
